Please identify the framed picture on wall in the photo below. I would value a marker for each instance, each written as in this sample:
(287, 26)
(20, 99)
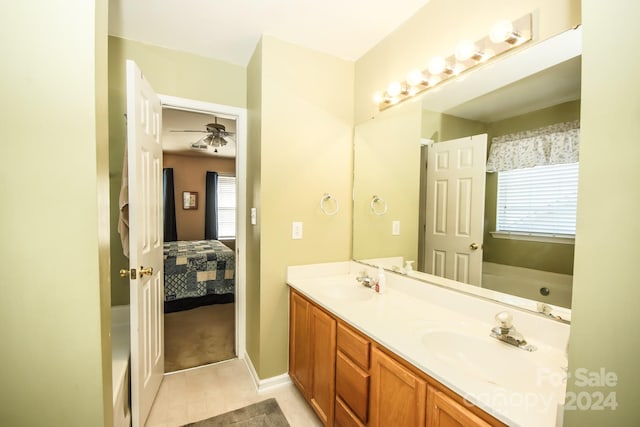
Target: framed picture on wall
(189, 200)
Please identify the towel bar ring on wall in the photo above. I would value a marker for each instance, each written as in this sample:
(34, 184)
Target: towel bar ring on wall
(325, 199)
(375, 201)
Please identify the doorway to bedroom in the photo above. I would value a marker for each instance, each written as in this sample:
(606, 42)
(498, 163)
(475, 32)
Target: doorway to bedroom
(200, 190)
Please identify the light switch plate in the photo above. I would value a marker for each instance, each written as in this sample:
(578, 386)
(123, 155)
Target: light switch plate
(254, 216)
(395, 228)
(296, 230)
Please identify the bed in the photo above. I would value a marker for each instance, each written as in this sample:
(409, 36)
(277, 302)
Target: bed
(196, 273)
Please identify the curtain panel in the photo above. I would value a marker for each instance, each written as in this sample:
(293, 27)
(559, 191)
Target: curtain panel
(169, 201)
(550, 145)
(211, 207)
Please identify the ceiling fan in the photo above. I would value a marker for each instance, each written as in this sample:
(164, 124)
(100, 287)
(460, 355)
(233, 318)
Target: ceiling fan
(216, 136)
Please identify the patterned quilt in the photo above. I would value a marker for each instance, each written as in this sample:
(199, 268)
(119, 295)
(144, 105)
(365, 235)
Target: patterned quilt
(197, 268)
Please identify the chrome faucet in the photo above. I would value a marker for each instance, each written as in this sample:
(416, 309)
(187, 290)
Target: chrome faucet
(365, 280)
(506, 332)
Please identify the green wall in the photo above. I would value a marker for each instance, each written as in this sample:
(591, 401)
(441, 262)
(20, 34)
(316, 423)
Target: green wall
(387, 164)
(606, 292)
(254, 173)
(305, 151)
(170, 72)
(55, 308)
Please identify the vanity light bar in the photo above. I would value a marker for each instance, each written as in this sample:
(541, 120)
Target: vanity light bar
(503, 37)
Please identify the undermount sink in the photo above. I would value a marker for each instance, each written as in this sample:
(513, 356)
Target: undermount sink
(348, 292)
(485, 359)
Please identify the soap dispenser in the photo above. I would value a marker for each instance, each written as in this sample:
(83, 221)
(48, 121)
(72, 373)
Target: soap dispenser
(381, 284)
(408, 267)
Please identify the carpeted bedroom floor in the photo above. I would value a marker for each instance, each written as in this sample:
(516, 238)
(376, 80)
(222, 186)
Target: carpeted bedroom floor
(199, 336)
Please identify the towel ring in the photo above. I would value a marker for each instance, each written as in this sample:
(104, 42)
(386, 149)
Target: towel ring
(325, 198)
(375, 200)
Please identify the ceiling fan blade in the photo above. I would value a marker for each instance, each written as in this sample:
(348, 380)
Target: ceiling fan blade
(188, 130)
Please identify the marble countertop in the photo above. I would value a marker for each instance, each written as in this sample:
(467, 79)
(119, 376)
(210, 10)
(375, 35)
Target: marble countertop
(445, 334)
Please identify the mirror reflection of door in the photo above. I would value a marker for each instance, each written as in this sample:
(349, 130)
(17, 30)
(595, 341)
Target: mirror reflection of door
(455, 185)
(541, 89)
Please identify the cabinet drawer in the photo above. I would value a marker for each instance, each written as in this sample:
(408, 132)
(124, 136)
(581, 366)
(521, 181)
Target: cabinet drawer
(354, 345)
(352, 385)
(344, 416)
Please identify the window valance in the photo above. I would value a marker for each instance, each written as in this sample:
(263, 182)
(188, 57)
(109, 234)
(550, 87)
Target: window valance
(550, 145)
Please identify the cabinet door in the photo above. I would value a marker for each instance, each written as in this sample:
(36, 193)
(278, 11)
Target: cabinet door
(299, 340)
(398, 396)
(443, 411)
(323, 364)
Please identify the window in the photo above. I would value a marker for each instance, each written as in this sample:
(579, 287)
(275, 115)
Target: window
(226, 207)
(538, 201)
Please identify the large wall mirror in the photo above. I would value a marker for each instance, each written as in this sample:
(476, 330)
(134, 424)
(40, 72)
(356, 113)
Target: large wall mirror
(406, 210)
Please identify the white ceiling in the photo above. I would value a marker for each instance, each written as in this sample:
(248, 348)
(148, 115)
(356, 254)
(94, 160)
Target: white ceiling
(229, 30)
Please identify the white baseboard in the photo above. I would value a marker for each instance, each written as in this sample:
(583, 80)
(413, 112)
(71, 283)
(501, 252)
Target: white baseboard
(267, 383)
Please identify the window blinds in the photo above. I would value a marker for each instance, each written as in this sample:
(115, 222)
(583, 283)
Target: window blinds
(226, 207)
(539, 200)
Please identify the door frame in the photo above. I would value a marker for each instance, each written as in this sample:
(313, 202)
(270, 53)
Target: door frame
(186, 104)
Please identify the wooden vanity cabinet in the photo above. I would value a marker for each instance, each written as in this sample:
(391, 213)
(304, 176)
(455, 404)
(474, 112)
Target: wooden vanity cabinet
(312, 351)
(351, 381)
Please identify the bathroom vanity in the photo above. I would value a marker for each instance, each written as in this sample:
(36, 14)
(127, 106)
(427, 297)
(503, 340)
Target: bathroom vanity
(417, 355)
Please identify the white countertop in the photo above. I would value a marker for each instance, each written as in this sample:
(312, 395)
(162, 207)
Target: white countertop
(419, 321)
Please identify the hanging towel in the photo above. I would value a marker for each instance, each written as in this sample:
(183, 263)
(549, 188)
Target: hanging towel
(123, 205)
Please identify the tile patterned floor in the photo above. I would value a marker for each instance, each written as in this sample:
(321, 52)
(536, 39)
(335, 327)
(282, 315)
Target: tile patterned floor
(200, 393)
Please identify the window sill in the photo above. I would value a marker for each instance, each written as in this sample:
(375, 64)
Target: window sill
(566, 239)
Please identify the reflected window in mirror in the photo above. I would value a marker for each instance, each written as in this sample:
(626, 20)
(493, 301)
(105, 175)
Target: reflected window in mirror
(538, 202)
(537, 187)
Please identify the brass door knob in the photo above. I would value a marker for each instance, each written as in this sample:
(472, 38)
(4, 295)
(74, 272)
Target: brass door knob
(146, 271)
(125, 272)
(473, 246)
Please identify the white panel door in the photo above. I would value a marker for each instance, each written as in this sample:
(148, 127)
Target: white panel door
(144, 116)
(455, 208)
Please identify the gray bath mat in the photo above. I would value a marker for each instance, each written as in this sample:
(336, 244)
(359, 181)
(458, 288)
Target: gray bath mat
(262, 414)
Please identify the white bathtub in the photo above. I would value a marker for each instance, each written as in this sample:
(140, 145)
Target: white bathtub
(526, 283)
(120, 365)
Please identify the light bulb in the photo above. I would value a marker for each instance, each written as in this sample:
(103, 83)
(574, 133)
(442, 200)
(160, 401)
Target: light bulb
(465, 50)
(378, 98)
(394, 89)
(415, 77)
(437, 65)
(501, 31)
